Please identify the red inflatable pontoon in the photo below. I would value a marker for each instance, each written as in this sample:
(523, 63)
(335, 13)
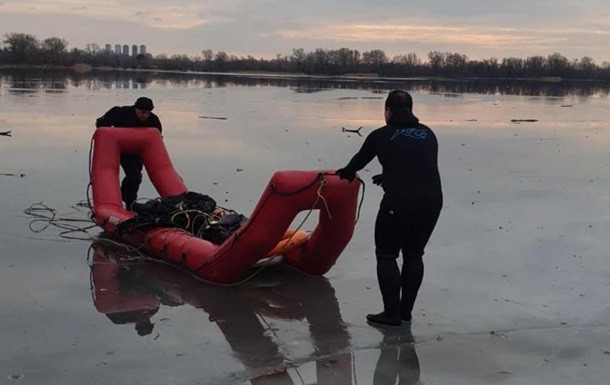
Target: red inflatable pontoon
(287, 194)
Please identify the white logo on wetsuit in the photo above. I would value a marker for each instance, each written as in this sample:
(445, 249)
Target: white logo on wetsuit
(415, 133)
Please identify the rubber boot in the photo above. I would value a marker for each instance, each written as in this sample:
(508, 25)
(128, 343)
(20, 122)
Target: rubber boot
(411, 278)
(406, 307)
(385, 318)
(389, 279)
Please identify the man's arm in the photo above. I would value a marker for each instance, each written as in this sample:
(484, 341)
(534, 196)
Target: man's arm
(108, 119)
(158, 124)
(361, 159)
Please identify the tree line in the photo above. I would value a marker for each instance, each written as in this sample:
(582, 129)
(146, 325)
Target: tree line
(28, 50)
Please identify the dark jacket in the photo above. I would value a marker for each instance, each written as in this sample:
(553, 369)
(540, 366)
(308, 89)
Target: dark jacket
(126, 117)
(408, 153)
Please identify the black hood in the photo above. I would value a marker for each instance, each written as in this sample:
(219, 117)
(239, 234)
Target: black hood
(403, 117)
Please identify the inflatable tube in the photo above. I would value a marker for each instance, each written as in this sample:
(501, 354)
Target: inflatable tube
(286, 194)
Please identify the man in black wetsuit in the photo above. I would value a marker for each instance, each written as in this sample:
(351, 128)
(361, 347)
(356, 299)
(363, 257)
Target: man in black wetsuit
(408, 152)
(138, 115)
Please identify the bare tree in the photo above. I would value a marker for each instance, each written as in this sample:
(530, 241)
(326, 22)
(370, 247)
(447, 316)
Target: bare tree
(375, 58)
(21, 46)
(54, 50)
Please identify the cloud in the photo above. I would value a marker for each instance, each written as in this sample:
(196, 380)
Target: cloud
(476, 37)
(163, 15)
(419, 34)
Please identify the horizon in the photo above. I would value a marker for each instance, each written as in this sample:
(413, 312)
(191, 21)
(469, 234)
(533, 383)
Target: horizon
(266, 28)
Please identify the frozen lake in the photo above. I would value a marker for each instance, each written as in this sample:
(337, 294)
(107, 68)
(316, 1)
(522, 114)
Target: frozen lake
(517, 271)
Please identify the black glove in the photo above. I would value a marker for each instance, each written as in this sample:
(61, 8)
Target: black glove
(346, 174)
(377, 179)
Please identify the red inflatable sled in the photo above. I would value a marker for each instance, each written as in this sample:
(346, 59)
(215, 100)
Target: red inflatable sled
(265, 233)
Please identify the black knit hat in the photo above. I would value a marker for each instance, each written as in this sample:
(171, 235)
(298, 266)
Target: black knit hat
(144, 104)
(399, 99)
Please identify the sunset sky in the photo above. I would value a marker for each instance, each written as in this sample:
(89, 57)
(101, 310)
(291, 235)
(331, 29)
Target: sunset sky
(264, 28)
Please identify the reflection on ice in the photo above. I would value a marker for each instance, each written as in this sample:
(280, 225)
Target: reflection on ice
(130, 292)
(394, 362)
(19, 80)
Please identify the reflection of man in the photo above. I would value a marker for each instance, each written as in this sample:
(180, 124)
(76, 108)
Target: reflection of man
(138, 115)
(398, 360)
(141, 319)
(113, 297)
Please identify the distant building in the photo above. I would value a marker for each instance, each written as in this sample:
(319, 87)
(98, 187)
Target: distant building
(120, 49)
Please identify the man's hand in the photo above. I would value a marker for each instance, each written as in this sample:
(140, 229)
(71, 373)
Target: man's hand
(377, 179)
(346, 175)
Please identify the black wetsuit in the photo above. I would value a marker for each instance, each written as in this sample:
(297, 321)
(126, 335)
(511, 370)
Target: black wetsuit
(408, 153)
(132, 164)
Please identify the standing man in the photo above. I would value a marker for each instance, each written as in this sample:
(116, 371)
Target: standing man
(412, 201)
(138, 115)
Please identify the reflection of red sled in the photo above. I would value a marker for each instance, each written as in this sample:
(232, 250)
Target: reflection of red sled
(264, 234)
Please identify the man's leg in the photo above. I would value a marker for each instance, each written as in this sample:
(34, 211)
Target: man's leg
(412, 276)
(387, 248)
(415, 240)
(132, 166)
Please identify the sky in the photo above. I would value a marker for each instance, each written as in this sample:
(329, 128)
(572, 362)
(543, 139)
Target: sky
(265, 28)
